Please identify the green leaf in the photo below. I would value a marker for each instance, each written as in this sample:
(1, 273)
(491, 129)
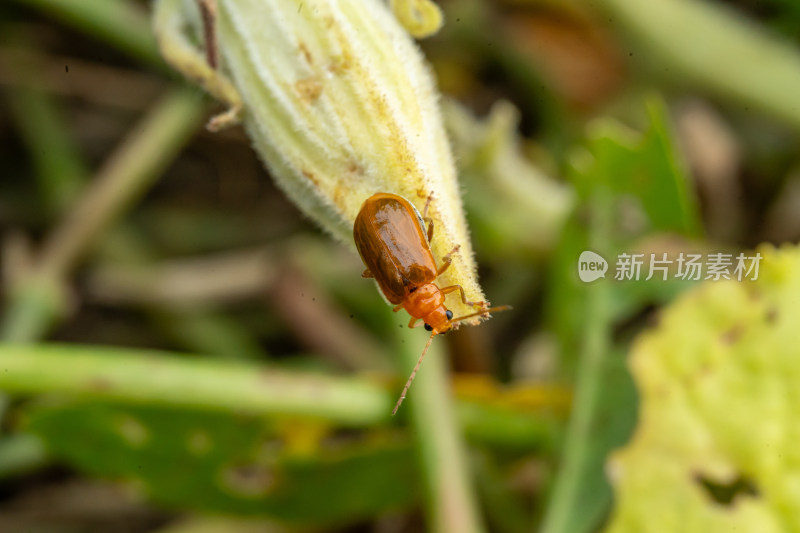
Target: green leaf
(645, 167)
(221, 463)
(716, 444)
(618, 170)
(640, 171)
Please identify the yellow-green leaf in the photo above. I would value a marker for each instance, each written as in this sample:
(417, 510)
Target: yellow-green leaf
(716, 447)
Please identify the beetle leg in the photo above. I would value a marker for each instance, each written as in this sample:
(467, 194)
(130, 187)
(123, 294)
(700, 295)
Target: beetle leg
(459, 288)
(426, 218)
(367, 274)
(429, 220)
(397, 307)
(413, 322)
(446, 260)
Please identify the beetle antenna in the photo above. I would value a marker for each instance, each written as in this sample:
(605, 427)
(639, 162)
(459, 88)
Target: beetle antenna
(481, 313)
(413, 374)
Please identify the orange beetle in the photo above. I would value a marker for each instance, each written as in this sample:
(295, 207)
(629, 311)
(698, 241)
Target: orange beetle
(390, 236)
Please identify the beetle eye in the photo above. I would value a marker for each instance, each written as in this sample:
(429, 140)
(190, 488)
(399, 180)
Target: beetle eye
(449, 314)
(428, 327)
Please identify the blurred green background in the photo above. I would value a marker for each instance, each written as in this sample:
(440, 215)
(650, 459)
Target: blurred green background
(184, 352)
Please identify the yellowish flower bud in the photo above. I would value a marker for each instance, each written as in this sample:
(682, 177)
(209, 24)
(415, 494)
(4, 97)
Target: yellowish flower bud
(339, 103)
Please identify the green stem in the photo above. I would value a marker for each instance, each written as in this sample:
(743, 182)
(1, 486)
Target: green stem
(578, 445)
(126, 175)
(61, 173)
(451, 502)
(38, 298)
(143, 376)
(33, 305)
(116, 22)
(138, 376)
